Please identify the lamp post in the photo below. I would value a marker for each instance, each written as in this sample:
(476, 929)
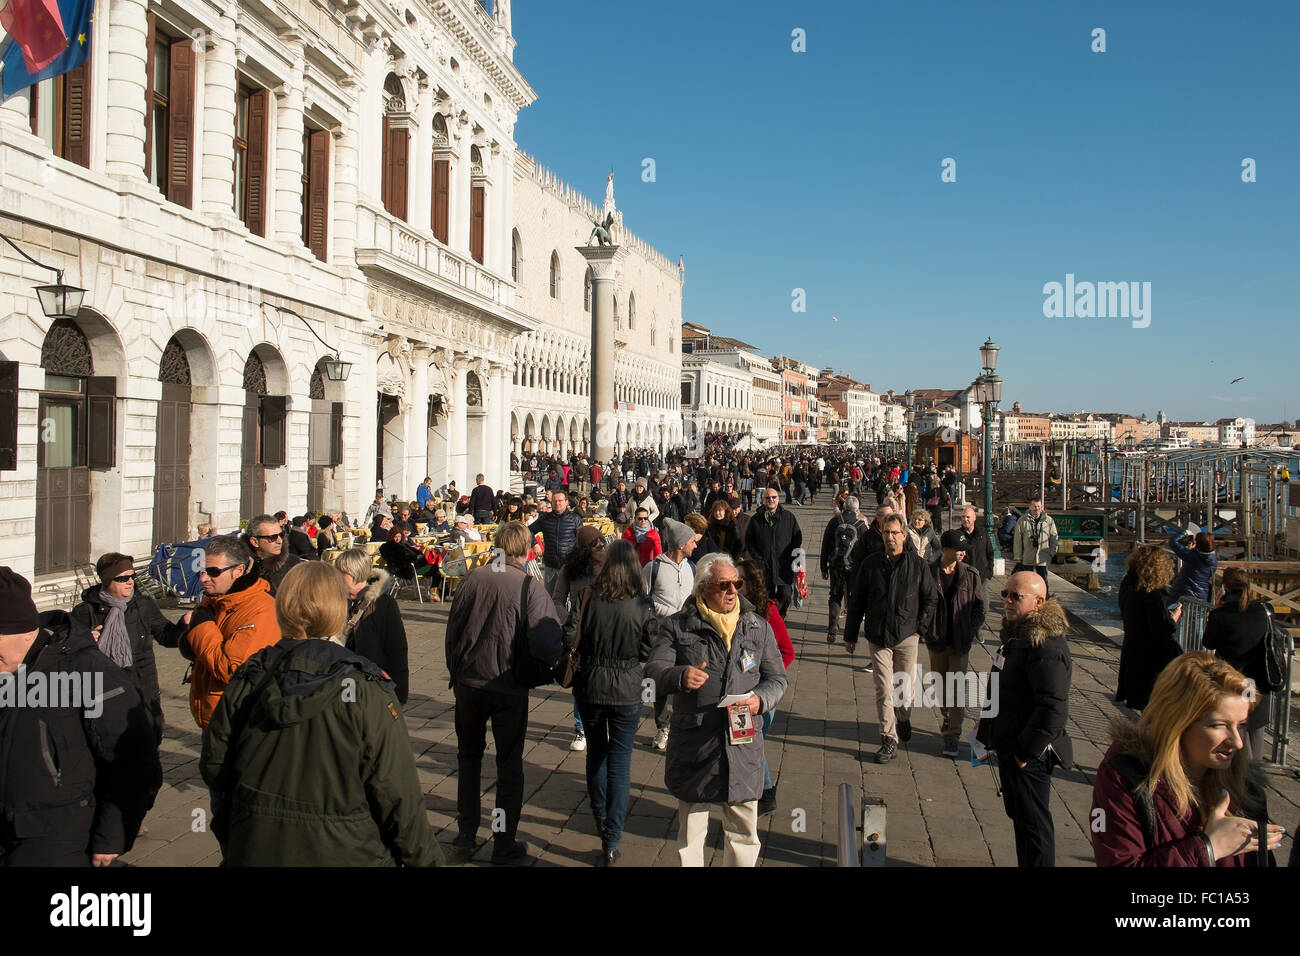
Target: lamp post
(988, 392)
(336, 370)
(909, 400)
(58, 301)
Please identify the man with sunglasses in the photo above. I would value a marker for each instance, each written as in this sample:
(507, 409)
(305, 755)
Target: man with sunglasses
(235, 621)
(893, 598)
(267, 540)
(1032, 670)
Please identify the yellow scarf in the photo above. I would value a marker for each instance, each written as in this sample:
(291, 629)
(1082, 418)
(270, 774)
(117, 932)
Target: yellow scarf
(724, 624)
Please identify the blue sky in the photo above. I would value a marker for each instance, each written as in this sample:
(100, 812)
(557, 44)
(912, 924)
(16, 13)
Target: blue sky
(820, 170)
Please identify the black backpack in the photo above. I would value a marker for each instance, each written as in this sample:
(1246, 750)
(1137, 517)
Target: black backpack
(846, 537)
(526, 667)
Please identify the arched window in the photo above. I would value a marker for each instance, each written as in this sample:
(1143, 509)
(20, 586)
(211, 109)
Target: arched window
(555, 275)
(586, 290)
(631, 310)
(516, 255)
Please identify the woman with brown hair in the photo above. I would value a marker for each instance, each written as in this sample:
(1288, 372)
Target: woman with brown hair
(1236, 630)
(722, 532)
(1176, 789)
(1150, 624)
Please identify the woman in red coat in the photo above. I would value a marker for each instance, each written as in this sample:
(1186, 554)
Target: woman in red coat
(1177, 788)
(755, 592)
(644, 537)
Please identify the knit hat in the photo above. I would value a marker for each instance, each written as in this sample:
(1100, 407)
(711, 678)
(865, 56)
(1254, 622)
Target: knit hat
(676, 534)
(112, 564)
(588, 535)
(955, 539)
(17, 610)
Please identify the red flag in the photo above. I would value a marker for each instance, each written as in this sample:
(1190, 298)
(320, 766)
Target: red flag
(37, 28)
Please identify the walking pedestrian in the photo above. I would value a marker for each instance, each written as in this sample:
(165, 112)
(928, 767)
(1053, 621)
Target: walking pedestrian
(1035, 540)
(772, 540)
(374, 627)
(838, 543)
(613, 625)
(1028, 731)
(491, 607)
(957, 619)
(713, 648)
(892, 599)
(755, 592)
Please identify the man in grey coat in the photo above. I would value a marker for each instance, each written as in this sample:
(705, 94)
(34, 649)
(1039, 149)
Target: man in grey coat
(714, 648)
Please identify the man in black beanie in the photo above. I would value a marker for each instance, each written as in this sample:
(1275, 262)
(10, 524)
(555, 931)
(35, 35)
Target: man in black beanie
(81, 801)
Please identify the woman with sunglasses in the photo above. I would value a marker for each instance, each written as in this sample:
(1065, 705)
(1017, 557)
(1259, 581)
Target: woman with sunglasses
(124, 623)
(644, 537)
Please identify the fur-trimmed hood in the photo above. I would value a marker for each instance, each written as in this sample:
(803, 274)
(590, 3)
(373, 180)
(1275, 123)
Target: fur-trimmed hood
(1048, 621)
(376, 587)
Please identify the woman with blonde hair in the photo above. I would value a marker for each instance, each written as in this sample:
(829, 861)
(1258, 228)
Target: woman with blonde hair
(308, 746)
(1176, 788)
(374, 628)
(923, 536)
(1150, 624)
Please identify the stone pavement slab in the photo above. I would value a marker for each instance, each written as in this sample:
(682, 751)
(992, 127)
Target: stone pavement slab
(940, 812)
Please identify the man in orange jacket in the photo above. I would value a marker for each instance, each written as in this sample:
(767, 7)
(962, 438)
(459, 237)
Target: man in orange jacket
(234, 622)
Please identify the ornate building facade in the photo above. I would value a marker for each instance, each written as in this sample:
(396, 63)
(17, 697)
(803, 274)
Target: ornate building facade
(250, 195)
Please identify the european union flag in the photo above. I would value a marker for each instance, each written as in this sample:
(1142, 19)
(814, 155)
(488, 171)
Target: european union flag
(77, 16)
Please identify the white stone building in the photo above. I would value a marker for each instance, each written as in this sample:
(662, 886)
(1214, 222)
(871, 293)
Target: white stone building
(551, 385)
(716, 397)
(765, 387)
(245, 192)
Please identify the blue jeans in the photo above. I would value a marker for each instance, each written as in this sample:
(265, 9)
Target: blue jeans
(767, 771)
(577, 719)
(610, 732)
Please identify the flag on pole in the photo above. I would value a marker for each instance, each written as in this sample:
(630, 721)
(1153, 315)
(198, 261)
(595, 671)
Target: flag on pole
(36, 27)
(76, 17)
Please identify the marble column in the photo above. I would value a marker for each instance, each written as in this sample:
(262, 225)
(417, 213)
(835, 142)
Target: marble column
(603, 261)
(343, 222)
(502, 401)
(125, 117)
(217, 174)
(458, 437)
(286, 156)
(417, 425)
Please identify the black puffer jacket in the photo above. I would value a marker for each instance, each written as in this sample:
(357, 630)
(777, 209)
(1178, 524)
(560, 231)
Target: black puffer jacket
(1033, 689)
(87, 772)
(559, 535)
(979, 552)
(615, 641)
(144, 624)
(1238, 636)
(891, 607)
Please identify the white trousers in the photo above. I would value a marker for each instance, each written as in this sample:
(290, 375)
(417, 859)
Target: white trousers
(739, 827)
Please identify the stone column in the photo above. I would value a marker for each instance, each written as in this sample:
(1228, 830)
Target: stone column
(417, 424)
(458, 434)
(218, 174)
(603, 261)
(343, 222)
(286, 156)
(127, 49)
(501, 401)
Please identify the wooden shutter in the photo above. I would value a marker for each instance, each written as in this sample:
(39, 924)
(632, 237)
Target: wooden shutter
(441, 199)
(318, 433)
(386, 165)
(180, 134)
(318, 193)
(151, 38)
(258, 141)
(76, 115)
(8, 416)
(336, 434)
(101, 421)
(476, 212)
(398, 143)
(274, 416)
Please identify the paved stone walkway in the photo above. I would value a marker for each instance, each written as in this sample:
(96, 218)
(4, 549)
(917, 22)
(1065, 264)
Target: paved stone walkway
(940, 811)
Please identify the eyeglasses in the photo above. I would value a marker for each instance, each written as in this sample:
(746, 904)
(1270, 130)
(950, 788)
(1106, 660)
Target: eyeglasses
(123, 578)
(731, 585)
(218, 572)
(268, 537)
(642, 517)
(1013, 596)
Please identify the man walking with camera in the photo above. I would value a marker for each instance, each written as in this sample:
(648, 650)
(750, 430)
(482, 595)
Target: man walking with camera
(1035, 541)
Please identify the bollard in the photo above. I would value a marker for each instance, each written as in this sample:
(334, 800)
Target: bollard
(848, 835)
(873, 831)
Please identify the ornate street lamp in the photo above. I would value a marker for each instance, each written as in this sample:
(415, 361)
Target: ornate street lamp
(58, 301)
(909, 400)
(988, 392)
(336, 370)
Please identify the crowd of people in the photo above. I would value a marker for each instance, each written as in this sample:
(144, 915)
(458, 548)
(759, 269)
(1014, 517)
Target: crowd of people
(299, 671)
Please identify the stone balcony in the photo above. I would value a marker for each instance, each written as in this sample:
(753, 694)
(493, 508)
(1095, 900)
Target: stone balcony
(390, 249)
